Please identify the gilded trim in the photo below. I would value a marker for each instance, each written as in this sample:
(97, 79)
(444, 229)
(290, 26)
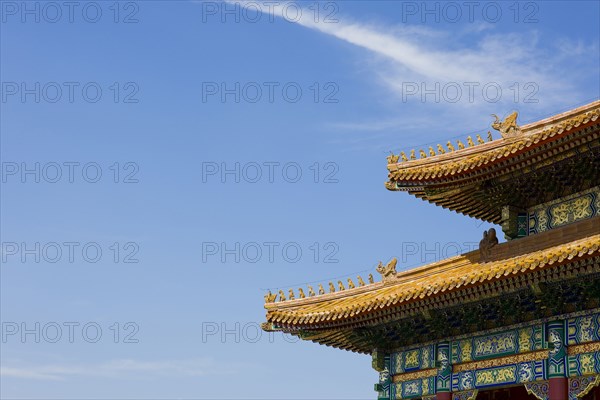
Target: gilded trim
(589, 347)
(590, 387)
(409, 376)
(538, 389)
(466, 395)
(496, 362)
(578, 391)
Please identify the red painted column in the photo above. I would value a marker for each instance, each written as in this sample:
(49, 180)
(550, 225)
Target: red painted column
(558, 388)
(443, 396)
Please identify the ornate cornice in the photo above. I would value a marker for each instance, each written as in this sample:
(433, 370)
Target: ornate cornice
(463, 160)
(589, 347)
(416, 286)
(408, 376)
(496, 362)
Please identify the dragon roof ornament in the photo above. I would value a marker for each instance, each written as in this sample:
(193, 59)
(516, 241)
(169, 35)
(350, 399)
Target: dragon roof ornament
(508, 127)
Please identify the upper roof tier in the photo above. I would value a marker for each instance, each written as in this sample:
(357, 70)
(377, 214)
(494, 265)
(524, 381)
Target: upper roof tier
(526, 166)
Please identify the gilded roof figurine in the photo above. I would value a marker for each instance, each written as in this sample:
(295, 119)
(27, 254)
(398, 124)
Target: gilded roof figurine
(301, 293)
(508, 127)
(350, 284)
(331, 288)
(431, 151)
(291, 294)
(360, 281)
(321, 290)
(403, 156)
(281, 296)
(392, 158)
(449, 146)
(480, 140)
(311, 292)
(422, 154)
(270, 297)
(460, 145)
(388, 271)
(490, 137)
(412, 155)
(371, 280)
(470, 141)
(341, 286)
(440, 149)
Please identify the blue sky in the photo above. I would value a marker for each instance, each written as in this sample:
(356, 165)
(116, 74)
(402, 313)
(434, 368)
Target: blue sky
(241, 148)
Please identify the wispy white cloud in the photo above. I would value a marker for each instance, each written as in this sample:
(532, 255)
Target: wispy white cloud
(121, 368)
(28, 373)
(476, 53)
(496, 57)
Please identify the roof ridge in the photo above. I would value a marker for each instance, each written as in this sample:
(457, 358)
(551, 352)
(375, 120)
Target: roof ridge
(457, 276)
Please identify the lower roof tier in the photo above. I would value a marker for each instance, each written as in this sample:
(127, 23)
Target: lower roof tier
(386, 314)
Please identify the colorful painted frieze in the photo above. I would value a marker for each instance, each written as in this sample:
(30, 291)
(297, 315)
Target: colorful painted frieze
(415, 388)
(413, 359)
(564, 211)
(583, 329)
(583, 364)
(515, 341)
(528, 371)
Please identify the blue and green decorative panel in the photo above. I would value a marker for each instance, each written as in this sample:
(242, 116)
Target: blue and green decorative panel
(462, 351)
(415, 388)
(584, 364)
(558, 350)
(499, 344)
(528, 371)
(531, 338)
(413, 359)
(463, 381)
(583, 329)
(384, 386)
(581, 385)
(496, 376)
(443, 381)
(564, 211)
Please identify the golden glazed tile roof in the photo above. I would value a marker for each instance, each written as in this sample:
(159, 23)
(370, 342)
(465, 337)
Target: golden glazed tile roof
(453, 162)
(512, 258)
(522, 169)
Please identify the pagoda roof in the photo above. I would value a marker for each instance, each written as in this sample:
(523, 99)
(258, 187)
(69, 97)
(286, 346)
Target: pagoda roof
(328, 318)
(478, 180)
